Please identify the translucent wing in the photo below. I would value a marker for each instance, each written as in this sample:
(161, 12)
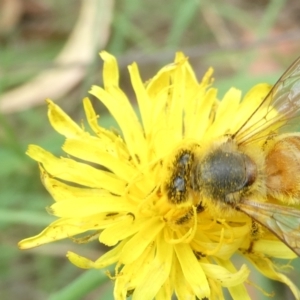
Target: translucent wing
(283, 221)
(279, 109)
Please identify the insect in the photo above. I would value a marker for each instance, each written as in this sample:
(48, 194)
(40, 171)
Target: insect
(254, 170)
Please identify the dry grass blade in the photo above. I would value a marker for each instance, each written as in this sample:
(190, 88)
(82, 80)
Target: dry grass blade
(90, 33)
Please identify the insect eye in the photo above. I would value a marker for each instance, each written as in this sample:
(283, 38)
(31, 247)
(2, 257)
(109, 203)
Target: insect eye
(179, 184)
(184, 159)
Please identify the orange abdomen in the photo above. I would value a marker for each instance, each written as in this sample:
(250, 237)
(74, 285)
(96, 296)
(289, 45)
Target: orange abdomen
(283, 169)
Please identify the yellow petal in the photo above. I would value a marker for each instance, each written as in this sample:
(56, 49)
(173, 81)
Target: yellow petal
(226, 278)
(198, 107)
(92, 118)
(110, 257)
(266, 267)
(61, 191)
(137, 244)
(158, 271)
(60, 229)
(121, 230)
(62, 123)
(226, 110)
(182, 287)
(143, 99)
(94, 204)
(195, 276)
(80, 261)
(89, 149)
(121, 110)
(110, 70)
(73, 171)
(273, 248)
(131, 275)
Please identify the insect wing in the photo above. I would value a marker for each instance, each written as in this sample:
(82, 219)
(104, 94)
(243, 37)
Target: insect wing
(279, 109)
(283, 221)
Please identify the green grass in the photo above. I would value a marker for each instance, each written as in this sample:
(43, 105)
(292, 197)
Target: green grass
(149, 32)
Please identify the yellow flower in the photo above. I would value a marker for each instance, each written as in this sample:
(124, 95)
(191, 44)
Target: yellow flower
(133, 189)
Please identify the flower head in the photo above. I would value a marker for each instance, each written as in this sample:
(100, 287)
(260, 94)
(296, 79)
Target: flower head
(137, 190)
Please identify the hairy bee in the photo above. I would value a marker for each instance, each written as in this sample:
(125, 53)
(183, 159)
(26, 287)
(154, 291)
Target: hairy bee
(233, 173)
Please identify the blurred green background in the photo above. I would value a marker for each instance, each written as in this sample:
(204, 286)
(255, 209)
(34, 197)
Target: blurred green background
(49, 48)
